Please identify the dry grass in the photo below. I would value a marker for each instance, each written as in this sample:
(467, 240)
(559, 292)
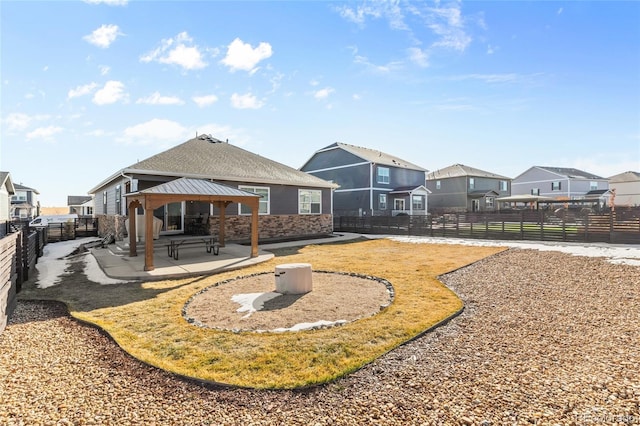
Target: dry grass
(146, 319)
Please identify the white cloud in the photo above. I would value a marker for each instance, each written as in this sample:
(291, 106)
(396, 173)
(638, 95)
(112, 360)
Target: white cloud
(103, 36)
(177, 51)
(112, 92)
(241, 56)
(323, 93)
(157, 99)
(203, 101)
(153, 131)
(81, 90)
(247, 101)
(448, 24)
(419, 57)
(45, 68)
(378, 69)
(104, 69)
(489, 78)
(18, 121)
(44, 132)
(108, 2)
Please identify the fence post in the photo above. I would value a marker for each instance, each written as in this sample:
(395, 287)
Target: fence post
(522, 225)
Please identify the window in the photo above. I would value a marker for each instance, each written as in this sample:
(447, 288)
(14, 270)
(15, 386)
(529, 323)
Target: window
(593, 186)
(20, 196)
(503, 185)
(398, 204)
(309, 201)
(438, 184)
(416, 201)
(382, 201)
(472, 183)
(489, 202)
(118, 199)
(263, 204)
(89, 211)
(555, 186)
(383, 175)
(535, 191)
(104, 202)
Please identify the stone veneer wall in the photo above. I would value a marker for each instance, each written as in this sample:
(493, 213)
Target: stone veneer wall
(113, 224)
(274, 226)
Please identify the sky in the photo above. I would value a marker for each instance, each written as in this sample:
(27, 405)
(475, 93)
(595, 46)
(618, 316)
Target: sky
(90, 87)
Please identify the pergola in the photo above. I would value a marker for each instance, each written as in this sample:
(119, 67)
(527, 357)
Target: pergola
(186, 189)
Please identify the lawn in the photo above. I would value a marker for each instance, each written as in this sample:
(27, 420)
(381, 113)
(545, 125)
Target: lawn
(146, 320)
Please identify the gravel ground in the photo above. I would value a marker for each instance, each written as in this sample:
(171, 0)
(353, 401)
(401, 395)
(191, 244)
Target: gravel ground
(546, 338)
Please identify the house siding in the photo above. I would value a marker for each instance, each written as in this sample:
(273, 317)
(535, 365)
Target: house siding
(627, 193)
(570, 188)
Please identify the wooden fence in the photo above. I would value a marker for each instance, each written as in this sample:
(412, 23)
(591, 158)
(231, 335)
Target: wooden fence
(19, 252)
(610, 227)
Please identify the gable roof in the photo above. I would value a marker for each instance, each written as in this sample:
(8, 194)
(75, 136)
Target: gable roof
(5, 180)
(375, 156)
(459, 170)
(625, 177)
(19, 187)
(206, 157)
(76, 200)
(570, 173)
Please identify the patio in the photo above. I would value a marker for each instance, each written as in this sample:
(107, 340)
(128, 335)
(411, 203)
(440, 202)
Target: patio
(115, 262)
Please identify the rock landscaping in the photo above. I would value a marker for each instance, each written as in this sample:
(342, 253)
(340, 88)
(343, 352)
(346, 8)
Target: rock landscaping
(545, 338)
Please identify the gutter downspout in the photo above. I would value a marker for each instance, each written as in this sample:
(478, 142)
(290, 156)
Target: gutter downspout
(371, 188)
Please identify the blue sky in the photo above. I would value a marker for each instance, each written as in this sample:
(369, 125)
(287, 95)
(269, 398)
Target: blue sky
(88, 88)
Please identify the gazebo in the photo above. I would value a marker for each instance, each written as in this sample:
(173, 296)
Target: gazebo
(186, 189)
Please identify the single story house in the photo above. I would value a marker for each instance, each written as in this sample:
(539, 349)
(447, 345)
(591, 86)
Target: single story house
(291, 203)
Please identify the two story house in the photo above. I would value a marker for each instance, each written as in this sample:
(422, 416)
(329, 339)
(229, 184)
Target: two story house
(292, 203)
(460, 188)
(627, 189)
(7, 190)
(370, 182)
(563, 184)
(25, 205)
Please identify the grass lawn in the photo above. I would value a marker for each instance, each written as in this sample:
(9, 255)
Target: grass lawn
(145, 319)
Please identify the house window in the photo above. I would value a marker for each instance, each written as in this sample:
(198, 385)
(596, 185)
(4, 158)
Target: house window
(263, 203)
(382, 201)
(503, 185)
(383, 175)
(593, 186)
(89, 211)
(416, 201)
(118, 199)
(489, 202)
(398, 204)
(104, 202)
(438, 184)
(555, 186)
(309, 201)
(472, 183)
(20, 196)
(535, 191)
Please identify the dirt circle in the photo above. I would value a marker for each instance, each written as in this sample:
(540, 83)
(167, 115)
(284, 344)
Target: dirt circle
(250, 303)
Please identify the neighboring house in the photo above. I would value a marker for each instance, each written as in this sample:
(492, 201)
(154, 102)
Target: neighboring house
(460, 188)
(627, 188)
(7, 190)
(370, 182)
(292, 203)
(24, 203)
(563, 184)
(82, 205)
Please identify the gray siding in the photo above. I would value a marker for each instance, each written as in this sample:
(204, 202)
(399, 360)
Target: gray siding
(543, 180)
(452, 193)
(347, 177)
(332, 158)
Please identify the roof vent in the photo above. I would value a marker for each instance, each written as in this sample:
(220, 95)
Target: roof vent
(208, 138)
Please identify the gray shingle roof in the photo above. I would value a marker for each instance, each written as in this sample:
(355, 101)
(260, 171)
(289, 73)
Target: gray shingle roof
(570, 172)
(458, 170)
(5, 179)
(76, 200)
(209, 158)
(378, 157)
(625, 177)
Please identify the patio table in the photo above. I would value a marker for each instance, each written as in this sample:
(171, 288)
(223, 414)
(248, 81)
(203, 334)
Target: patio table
(207, 241)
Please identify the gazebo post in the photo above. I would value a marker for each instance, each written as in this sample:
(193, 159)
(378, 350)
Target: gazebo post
(148, 238)
(222, 206)
(133, 248)
(254, 229)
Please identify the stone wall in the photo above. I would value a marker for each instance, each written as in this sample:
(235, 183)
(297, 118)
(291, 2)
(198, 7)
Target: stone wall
(274, 226)
(113, 224)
